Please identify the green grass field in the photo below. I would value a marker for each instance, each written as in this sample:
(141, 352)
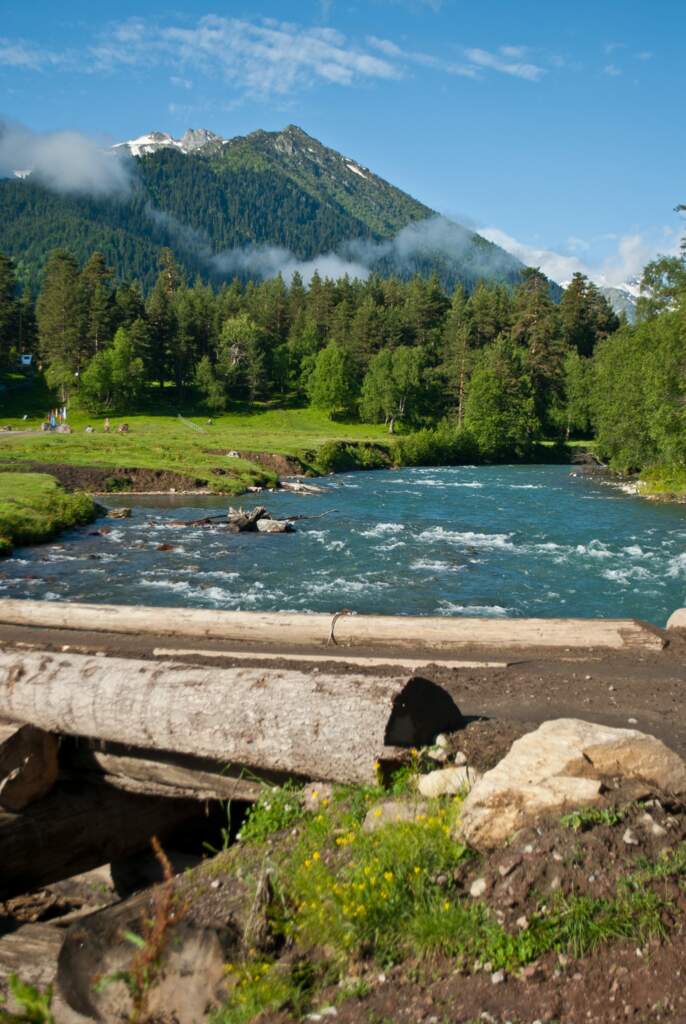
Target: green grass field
(159, 439)
(34, 508)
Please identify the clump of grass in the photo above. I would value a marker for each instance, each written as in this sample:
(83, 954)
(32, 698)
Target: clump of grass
(278, 807)
(260, 986)
(34, 508)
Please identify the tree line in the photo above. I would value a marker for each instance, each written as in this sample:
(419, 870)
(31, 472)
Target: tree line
(506, 366)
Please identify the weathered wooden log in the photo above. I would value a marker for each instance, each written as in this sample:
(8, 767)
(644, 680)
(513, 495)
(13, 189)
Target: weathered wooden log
(159, 773)
(318, 726)
(77, 828)
(31, 953)
(28, 765)
(438, 633)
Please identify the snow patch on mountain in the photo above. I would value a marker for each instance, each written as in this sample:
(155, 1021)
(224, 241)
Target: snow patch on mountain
(192, 141)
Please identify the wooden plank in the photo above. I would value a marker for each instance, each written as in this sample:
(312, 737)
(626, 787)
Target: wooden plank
(318, 725)
(410, 664)
(440, 633)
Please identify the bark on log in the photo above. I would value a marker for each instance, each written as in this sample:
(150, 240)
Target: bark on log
(318, 726)
(158, 773)
(77, 828)
(284, 628)
(28, 765)
(31, 953)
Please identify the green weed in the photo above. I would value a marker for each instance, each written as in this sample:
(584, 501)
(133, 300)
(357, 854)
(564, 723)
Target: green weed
(589, 817)
(35, 1006)
(278, 807)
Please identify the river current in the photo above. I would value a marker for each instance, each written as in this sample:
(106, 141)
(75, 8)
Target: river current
(501, 540)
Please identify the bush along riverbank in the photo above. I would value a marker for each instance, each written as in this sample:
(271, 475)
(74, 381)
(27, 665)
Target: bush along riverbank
(34, 509)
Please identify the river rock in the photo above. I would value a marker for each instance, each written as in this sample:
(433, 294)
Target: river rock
(274, 526)
(447, 781)
(559, 767)
(119, 513)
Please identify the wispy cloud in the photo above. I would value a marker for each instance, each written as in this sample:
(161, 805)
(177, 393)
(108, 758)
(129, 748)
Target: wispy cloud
(19, 54)
(495, 62)
(645, 55)
(262, 58)
(427, 60)
(631, 253)
(612, 70)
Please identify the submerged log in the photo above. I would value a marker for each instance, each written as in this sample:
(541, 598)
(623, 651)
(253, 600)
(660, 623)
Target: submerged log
(79, 827)
(321, 726)
(28, 765)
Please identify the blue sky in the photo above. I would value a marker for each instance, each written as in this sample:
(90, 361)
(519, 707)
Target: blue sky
(556, 129)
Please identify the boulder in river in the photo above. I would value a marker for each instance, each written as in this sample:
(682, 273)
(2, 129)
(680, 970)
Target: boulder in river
(561, 766)
(119, 513)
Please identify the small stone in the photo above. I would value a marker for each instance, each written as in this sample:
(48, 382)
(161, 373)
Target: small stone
(478, 887)
(459, 758)
(612, 689)
(391, 811)
(317, 794)
(508, 866)
(555, 884)
(629, 838)
(216, 884)
(498, 977)
(442, 741)
(119, 513)
(632, 721)
(557, 857)
(649, 823)
(522, 923)
(447, 781)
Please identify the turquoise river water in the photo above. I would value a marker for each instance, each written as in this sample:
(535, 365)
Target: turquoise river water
(502, 540)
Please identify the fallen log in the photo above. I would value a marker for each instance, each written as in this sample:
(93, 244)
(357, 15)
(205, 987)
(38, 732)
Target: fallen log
(318, 726)
(437, 633)
(159, 773)
(28, 765)
(31, 953)
(79, 827)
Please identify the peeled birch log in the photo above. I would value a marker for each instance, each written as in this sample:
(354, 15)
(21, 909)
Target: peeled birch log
(329, 727)
(439, 633)
(159, 773)
(79, 827)
(28, 765)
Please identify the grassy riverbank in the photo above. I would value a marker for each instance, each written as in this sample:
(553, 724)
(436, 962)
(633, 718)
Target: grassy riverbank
(34, 508)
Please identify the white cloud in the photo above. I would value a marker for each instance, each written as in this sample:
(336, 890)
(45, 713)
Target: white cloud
(484, 59)
(632, 253)
(262, 58)
(63, 161)
(182, 83)
(19, 54)
(612, 70)
(513, 52)
(645, 55)
(391, 49)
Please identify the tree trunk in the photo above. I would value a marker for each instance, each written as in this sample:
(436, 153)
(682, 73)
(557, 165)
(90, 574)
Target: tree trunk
(320, 726)
(28, 765)
(435, 633)
(79, 827)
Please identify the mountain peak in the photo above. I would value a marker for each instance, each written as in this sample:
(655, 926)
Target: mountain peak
(192, 140)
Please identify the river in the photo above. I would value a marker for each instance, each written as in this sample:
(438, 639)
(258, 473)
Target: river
(497, 540)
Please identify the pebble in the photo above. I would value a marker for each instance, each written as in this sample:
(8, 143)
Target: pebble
(216, 884)
(498, 977)
(460, 758)
(632, 721)
(629, 838)
(478, 887)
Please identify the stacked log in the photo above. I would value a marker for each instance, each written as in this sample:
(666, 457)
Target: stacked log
(142, 745)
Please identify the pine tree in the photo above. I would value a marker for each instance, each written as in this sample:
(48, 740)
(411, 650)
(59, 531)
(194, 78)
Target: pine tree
(60, 313)
(9, 308)
(98, 301)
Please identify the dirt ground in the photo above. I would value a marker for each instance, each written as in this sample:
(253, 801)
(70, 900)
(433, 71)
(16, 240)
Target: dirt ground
(618, 982)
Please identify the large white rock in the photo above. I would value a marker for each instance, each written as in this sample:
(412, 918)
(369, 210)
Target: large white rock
(559, 767)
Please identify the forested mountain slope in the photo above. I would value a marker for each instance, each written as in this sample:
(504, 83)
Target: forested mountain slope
(267, 189)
